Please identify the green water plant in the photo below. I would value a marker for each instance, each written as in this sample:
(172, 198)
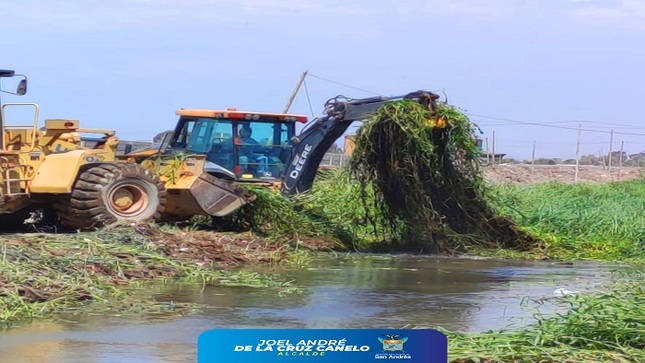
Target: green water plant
(604, 326)
(420, 174)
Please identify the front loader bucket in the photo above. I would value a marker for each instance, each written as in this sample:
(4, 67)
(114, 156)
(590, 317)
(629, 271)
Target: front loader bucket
(205, 195)
(192, 190)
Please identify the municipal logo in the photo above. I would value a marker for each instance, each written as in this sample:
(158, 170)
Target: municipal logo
(393, 342)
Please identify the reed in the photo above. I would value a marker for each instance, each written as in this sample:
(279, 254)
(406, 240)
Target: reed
(607, 326)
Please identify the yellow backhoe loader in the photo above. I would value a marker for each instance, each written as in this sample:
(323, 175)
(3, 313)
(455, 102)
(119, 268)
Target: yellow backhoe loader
(90, 187)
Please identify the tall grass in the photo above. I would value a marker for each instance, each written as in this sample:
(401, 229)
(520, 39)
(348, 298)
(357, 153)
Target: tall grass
(602, 327)
(335, 203)
(598, 221)
(571, 221)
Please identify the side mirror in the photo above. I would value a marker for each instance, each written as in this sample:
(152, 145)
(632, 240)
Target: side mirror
(22, 87)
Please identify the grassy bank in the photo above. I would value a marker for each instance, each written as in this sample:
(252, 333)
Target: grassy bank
(569, 221)
(607, 326)
(41, 274)
(580, 221)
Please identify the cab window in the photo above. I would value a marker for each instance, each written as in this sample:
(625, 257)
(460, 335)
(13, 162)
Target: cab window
(207, 132)
(184, 134)
(264, 148)
(250, 149)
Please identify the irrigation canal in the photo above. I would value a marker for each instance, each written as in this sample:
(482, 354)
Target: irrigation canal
(348, 291)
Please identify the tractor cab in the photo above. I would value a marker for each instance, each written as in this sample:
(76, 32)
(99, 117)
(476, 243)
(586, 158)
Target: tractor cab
(239, 145)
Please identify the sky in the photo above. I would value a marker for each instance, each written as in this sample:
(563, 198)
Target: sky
(527, 72)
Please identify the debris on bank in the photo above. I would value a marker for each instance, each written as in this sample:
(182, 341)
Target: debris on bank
(43, 272)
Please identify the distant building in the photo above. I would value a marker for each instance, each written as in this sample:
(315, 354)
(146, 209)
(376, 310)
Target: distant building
(350, 143)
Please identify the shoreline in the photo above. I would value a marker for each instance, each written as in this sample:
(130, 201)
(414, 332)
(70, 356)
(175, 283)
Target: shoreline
(42, 274)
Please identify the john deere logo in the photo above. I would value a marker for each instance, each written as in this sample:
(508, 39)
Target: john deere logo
(393, 342)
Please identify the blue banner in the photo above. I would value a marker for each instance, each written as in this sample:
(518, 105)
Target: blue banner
(322, 345)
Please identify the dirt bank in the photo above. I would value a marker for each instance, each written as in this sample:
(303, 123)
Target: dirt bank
(530, 174)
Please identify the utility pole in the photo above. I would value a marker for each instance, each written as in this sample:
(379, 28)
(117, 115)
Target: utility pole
(295, 91)
(575, 177)
(620, 158)
(493, 148)
(533, 154)
(611, 142)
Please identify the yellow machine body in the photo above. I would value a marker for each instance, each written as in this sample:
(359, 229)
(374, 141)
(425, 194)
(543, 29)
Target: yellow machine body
(45, 161)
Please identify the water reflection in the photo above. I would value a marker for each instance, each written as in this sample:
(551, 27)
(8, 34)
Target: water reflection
(458, 294)
(348, 292)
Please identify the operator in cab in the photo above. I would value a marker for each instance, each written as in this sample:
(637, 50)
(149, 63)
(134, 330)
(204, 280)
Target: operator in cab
(250, 151)
(245, 135)
(242, 138)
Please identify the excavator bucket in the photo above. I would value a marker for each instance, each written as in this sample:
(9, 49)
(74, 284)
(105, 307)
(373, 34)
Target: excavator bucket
(192, 191)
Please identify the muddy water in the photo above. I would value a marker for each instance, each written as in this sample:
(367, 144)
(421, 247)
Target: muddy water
(341, 292)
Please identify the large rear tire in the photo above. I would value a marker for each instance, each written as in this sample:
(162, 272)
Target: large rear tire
(109, 193)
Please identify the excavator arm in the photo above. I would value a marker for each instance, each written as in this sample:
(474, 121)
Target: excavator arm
(312, 143)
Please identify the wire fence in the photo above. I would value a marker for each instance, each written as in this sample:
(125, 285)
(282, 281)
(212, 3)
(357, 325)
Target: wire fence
(334, 160)
(609, 153)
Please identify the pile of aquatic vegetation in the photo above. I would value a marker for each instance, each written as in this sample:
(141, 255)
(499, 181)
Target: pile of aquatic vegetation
(601, 327)
(421, 176)
(329, 216)
(335, 203)
(271, 215)
(586, 220)
(414, 179)
(44, 273)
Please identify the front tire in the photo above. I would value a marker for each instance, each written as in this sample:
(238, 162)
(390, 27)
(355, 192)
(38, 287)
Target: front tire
(109, 193)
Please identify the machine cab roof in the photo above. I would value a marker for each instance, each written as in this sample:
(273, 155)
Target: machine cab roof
(233, 113)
